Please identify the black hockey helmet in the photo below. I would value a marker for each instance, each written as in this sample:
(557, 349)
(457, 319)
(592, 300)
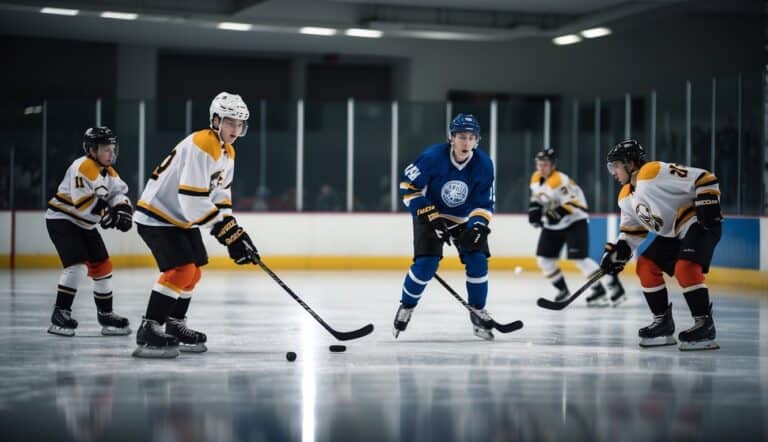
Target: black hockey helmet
(547, 154)
(627, 150)
(96, 136)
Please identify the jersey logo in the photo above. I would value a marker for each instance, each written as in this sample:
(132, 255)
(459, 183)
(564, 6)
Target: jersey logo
(454, 193)
(648, 218)
(101, 192)
(412, 172)
(217, 180)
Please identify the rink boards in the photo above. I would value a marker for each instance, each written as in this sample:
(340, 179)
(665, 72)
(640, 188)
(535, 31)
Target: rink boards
(377, 241)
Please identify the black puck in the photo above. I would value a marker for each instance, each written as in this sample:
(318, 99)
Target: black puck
(337, 348)
(291, 356)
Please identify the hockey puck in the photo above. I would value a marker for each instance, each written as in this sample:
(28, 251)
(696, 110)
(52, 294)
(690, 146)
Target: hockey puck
(337, 348)
(291, 356)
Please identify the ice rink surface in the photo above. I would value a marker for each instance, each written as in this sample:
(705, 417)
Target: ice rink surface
(577, 374)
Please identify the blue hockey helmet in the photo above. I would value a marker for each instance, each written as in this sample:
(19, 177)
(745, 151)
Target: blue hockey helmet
(464, 123)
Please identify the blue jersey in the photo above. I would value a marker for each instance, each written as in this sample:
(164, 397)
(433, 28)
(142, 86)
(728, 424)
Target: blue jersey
(461, 192)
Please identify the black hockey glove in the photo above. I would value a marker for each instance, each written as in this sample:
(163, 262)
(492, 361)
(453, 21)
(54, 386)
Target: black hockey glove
(555, 215)
(120, 217)
(708, 210)
(430, 215)
(615, 257)
(473, 238)
(534, 214)
(238, 243)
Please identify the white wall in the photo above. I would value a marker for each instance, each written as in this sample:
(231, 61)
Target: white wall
(286, 234)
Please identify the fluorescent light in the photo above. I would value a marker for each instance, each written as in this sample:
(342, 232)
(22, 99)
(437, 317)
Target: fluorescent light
(595, 32)
(230, 26)
(60, 11)
(314, 30)
(566, 39)
(119, 15)
(364, 33)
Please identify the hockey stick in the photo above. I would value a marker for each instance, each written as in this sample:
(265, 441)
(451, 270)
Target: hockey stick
(554, 305)
(504, 328)
(340, 335)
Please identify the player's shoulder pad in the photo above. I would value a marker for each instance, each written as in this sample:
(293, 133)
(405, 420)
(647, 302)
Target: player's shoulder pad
(535, 177)
(89, 169)
(555, 180)
(207, 141)
(112, 172)
(625, 191)
(230, 151)
(649, 170)
(483, 158)
(436, 150)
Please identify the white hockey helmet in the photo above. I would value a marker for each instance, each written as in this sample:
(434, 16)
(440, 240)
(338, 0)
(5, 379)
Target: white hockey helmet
(227, 105)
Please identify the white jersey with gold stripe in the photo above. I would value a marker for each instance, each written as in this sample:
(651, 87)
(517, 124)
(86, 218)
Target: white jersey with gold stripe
(559, 190)
(86, 190)
(191, 187)
(662, 200)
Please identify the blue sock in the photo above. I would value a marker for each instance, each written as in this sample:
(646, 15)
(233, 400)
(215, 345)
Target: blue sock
(422, 270)
(476, 264)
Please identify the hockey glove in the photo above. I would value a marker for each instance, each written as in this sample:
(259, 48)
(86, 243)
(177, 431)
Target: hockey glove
(239, 245)
(534, 214)
(615, 257)
(555, 215)
(119, 217)
(429, 214)
(708, 210)
(473, 239)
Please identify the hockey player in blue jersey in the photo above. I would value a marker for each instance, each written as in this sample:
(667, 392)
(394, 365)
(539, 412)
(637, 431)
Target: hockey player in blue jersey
(449, 191)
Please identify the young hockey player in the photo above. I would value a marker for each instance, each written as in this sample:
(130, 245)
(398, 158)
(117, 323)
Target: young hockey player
(559, 208)
(91, 193)
(681, 205)
(449, 191)
(189, 189)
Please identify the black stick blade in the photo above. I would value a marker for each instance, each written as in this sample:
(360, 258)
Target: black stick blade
(508, 328)
(552, 305)
(354, 334)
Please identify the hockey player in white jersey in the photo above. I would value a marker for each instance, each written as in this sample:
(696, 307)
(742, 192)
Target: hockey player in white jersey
(681, 205)
(559, 208)
(90, 194)
(190, 189)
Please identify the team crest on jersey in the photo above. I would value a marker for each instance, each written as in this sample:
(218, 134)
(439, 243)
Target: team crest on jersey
(217, 180)
(454, 193)
(648, 218)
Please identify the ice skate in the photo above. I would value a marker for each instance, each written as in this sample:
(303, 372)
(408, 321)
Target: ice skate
(562, 295)
(618, 295)
(701, 336)
(62, 323)
(113, 324)
(402, 317)
(598, 297)
(481, 323)
(190, 341)
(153, 342)
(660, 332)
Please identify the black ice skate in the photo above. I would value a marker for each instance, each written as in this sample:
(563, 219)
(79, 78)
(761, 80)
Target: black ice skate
(598, 297)
(618, 295)
(562, 295)
(660, 332)
(113, 324)
(402, 317)
(153, 342)
(481, 323)
(191, 341)
(62, 323)
(701, 336)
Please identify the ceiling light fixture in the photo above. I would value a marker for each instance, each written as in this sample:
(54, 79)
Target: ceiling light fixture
(364, 33)
(120, 15)
(596, 32)
(230, 26)
(314, 30)
(566, 39)
(60, 11)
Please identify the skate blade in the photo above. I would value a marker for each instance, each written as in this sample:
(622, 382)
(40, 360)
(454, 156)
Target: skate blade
(193, 348)
(618, 301)
(657, 342)
(61, 331)
(483, 333)
(698, 345)
(395, 332)
(601, 303)
(115, 331)
(156, 352)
